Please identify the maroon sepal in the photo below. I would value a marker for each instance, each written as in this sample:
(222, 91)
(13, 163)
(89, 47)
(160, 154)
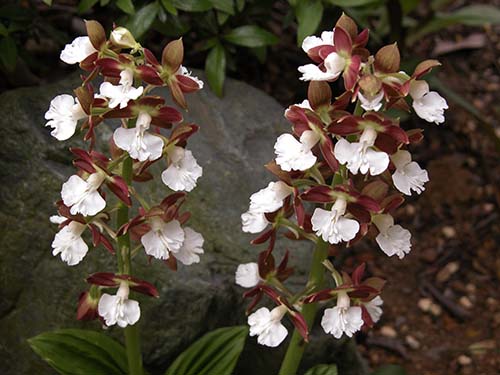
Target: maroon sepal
(299, 208)
(120, 188)
(187, 84)
(149, 75)
(365, 315)
(282, 272)
(318, 194)
(266, 264)
(109, 67)
(87, 307)
(326, 147)
(392, 202)
(300, 324)
(351, 73)
(322, 295)
(182, 132)
(109, 279)
(166, 116)
(150, 58)
(99, 238)
(171, 263)
(263, 237)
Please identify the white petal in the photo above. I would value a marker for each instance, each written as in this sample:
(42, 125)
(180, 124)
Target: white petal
(56, 219)
(396, 240)
(371, 104)
(431, 107)
(292, 154)
(247, 275)
(253, 222)
(192, 246)
(69, 244)
(334, 63)
(269, 329)
(343, 151)
(270, 198)
(63, 117)
(131, 312)
(77, 51)
(378, 161)
(183, 171)
(374, 309)
(311, 72)
(107, 308)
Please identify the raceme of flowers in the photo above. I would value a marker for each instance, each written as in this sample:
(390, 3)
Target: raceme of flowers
(339, 176)
(128, 73)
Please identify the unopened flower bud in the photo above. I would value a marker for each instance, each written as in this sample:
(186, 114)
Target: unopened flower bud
(122, 37)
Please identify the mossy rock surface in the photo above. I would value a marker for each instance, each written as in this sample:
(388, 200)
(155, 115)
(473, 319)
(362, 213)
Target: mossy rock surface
(38, 292)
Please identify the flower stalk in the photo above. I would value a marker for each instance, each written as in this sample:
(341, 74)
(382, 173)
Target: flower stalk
(297, 345)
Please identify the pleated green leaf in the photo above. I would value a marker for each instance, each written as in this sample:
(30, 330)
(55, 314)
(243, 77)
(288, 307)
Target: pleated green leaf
(215, 353)
(80, 352)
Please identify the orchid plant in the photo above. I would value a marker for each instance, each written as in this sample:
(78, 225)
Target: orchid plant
(119, 77)
(340, 175)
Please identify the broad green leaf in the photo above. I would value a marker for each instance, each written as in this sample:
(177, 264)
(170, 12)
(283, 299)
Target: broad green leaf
(309, 15)
(390, 370)
(322, 370)
(80, 352)
(3, 30)
(409, 5)
(215, 353)
(142, 20)
(126, 5)
(48, 2)
(215, 68)
(473, 15)
(193, 5)
(85, 5)
(226, 6)
(251, 36)
(222, 17)
(8, 53)
(240, 5)
(352, 3)
(104, 2)
(169, 7)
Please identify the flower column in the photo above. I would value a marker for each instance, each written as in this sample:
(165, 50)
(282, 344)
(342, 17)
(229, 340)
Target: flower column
(135, 146)
(340, 174)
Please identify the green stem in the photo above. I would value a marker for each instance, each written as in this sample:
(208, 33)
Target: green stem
(297, 345)
(132, 343)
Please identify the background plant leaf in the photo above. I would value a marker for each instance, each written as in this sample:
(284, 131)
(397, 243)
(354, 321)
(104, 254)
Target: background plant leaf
(215, 68)
(193, 5)
(309, 15)
(80, 352)
(215, 353)
(323, 370)
(85, 5)
(142, 20)
(251, 36)
(8, 53)
(126, 5)
(472, 15)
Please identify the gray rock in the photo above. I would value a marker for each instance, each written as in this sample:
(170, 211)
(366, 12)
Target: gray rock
(39, 293)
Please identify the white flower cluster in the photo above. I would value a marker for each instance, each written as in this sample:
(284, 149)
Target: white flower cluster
(327, 141)
(82, 194)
